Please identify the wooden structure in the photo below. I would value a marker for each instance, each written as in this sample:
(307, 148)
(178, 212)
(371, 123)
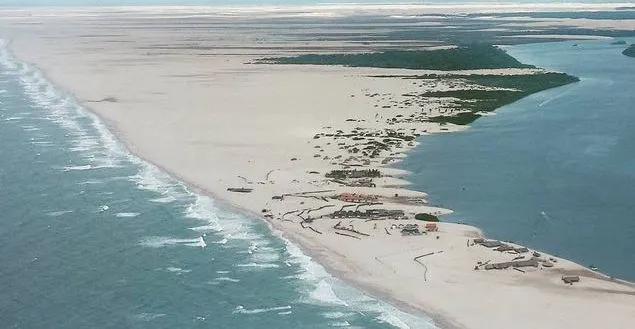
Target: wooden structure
(357, 198)
(411, 229)
(432, 227)
(570, 279)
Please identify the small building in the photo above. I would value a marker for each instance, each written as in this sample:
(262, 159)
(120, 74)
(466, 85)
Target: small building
(504, 248)
(411, 229)
(357, 198)
(525, 263)
(432, 227)
(491, 244)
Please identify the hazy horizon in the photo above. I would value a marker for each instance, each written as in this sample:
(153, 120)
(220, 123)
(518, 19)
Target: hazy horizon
(23, 3)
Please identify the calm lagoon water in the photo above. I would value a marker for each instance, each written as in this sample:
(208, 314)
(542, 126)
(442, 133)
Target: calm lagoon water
(555, 170)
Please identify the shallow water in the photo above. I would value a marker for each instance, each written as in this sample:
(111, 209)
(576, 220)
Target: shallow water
(556, 170)
(92, 237)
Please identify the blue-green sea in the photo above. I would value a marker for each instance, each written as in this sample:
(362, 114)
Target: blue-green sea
(92, 237)
(555, 170)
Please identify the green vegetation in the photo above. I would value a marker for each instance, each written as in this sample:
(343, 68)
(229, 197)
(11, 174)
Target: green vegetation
(427, 217)
(500, 89)
(344, 174)
(477, 56)
(630, 51)
(516, 87)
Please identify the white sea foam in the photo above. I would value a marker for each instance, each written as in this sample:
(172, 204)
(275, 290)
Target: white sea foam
(325, 294)
(92, 140)
(161, 241)
(323, 289)
(258, 265)
(91, 182)
(392, 319)
(337, 315)
(242, 310)
(148, 316)
(166, 199)
(225, 278)
(236, 228)
(30, 128)
(44, 143)
(59, 213)
(340, 324)
(151, 178)
(177, 270)
(80, 167)
(200, 242)
(16, 118)
(88, 134)
(127, 214)
(263, 253)
(202, 208)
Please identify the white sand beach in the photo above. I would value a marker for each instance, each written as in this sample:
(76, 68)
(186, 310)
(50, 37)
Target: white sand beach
(180, 92)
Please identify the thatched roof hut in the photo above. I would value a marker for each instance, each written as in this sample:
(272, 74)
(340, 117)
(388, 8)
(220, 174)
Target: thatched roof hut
(490, 243)
(411, 229)
(570, 279)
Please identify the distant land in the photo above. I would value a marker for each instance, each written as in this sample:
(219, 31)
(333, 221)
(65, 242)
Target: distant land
(630, 51)
(486, 94)
(472, 57)
(501, 90)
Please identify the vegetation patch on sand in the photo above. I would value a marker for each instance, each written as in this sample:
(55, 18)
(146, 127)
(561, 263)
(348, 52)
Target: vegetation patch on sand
(426, 217)
(472, 95)
(485, 92)
(471, 57)
(501, 90)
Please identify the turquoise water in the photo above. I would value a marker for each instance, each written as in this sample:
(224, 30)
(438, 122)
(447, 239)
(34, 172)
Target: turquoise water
(554, 171)
(92, 237)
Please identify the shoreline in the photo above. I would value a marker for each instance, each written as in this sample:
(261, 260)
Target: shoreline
(439, 320)
(340, 256)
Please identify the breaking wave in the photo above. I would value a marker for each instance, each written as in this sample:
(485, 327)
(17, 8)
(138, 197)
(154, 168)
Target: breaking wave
(92, 140)
(242, 310)
(127, 214)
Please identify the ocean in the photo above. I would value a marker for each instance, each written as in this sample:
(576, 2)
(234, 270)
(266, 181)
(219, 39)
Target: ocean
(555, 170)
(93, 237)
